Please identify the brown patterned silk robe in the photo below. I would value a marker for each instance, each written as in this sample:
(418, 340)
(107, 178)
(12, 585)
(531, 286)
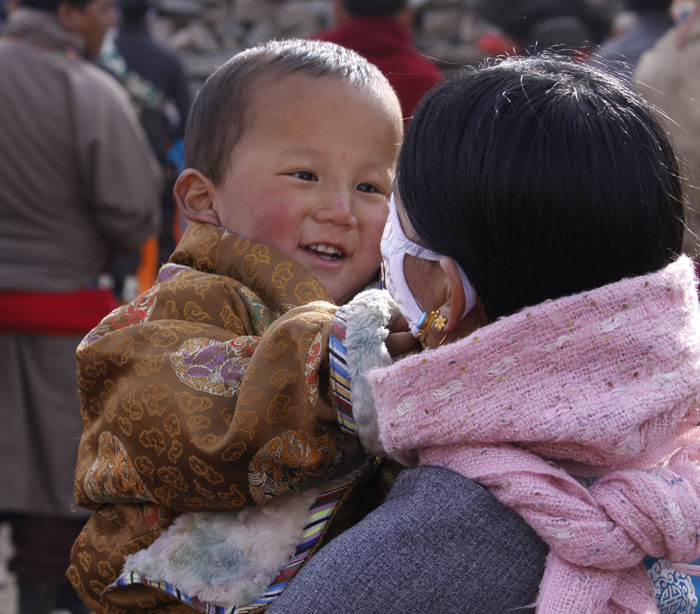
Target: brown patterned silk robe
(208, 392)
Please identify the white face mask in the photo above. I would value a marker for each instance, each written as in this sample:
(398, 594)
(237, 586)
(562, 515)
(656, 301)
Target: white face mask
(395, 245)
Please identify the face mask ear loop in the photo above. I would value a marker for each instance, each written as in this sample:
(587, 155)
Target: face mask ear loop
(469, 293)
(401, 244)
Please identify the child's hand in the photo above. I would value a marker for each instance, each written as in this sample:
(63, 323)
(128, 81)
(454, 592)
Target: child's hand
(400, 341)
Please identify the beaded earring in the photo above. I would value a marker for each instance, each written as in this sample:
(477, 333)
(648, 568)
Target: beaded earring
(427, 322)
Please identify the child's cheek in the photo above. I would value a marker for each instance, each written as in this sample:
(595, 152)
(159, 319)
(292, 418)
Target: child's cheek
(277, 226)
(374, 221)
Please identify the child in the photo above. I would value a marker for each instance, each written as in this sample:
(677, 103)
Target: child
(209, 391)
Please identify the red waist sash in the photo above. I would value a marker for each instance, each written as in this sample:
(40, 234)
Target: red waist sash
(54, 313)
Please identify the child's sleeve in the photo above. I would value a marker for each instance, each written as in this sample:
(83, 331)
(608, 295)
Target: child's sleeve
(356, 346)
(183, 412)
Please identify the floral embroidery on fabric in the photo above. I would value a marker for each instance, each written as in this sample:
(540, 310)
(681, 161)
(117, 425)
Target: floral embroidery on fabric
(260, 314)
(292, 461)
(112, 477)
(138, 311)
(313, 360)
(212, 366)
(158, 516)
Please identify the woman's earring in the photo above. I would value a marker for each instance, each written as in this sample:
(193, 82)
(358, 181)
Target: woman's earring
(427, 322)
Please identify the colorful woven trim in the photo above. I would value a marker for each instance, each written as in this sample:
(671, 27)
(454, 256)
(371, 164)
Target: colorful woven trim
(319, 515)
(339, 375)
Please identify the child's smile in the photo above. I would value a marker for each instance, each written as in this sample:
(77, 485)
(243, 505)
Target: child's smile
(325, 252)
(311, 176)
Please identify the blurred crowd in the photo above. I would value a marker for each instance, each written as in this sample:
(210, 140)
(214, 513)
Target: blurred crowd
(89, 156)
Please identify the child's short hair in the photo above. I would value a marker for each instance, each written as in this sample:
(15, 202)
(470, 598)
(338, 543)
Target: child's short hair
(220, 112)
(541, 177)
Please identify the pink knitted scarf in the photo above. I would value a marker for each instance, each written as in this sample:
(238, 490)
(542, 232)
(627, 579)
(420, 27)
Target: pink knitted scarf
(601, 384)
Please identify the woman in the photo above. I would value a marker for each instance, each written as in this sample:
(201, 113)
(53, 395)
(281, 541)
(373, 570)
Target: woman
(533, 247)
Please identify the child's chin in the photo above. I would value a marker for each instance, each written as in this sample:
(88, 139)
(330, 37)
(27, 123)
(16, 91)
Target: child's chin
(343, 294)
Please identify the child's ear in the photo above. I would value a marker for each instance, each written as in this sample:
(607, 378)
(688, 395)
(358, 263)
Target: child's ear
(194, 195)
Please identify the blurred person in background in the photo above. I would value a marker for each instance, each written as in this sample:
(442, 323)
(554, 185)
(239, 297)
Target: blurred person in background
(78, 179)
(530, 26)
(648, 20)
(668, 75)
(6, 7)
(157, 84)
(381, 31)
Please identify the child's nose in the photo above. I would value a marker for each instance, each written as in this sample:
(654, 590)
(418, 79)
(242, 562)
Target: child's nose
(337, 211)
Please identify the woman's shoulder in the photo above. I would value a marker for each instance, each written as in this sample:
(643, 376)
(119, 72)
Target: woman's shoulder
(440, 542)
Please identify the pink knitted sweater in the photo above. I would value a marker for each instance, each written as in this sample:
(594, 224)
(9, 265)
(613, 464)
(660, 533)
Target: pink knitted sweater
(602, 384)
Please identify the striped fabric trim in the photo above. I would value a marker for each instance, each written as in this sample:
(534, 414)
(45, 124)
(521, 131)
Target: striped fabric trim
(209, 608)
(339, 375)
(319, 514)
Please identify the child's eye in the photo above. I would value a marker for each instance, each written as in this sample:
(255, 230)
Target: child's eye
(369, 188)
(304, 175)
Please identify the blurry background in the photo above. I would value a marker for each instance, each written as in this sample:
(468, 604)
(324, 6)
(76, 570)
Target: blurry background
(207, 32)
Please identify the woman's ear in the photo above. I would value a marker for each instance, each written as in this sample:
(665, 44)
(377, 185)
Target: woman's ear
(194, 195)
(458, 326)
(456, 299)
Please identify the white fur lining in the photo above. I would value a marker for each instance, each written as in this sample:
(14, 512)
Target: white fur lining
(368, 317)
(226, 558)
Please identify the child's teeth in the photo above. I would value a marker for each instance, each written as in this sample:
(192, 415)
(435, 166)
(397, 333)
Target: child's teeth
(326, 249)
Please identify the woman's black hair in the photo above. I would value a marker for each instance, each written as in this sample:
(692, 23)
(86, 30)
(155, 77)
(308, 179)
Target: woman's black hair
(541, 177)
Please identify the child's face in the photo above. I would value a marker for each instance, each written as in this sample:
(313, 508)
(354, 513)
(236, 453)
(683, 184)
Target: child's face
(311, 176)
